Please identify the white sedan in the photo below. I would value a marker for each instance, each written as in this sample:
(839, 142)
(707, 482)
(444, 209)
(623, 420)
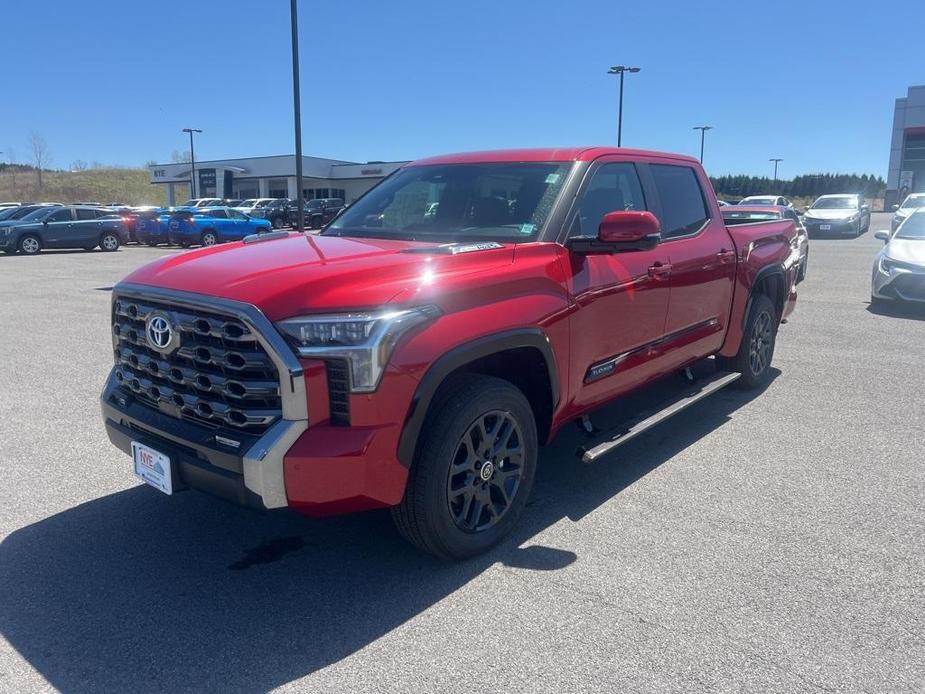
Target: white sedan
(899, 268)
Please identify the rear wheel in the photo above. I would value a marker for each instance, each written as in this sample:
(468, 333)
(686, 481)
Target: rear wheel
(277, 222)
(30, 245)
(473, 470)
(756, 350)
(209, 238)
(109, 242)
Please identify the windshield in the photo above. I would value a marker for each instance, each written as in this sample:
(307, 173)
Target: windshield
(311, 204)
(455, 202)
(846, 203)
(912, 228)
(914, 202)
(758, 201)
(249, 203)
(40, 213)
(8, 212)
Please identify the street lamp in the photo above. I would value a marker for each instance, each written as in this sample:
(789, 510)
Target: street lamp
(776, 162)
(297, 112)
(192, 159)
(619, 70)
(703, 130)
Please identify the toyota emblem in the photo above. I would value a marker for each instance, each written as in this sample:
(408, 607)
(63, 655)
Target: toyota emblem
(160, 333)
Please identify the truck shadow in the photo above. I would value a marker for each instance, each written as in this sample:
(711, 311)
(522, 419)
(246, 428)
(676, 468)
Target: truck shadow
(136, 592)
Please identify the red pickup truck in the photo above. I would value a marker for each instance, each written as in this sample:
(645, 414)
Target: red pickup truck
(416, 352)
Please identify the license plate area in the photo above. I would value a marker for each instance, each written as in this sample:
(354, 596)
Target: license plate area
(825, 227)
(153, 467)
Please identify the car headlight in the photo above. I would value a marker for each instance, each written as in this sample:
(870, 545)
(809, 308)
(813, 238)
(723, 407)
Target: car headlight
(364, 340)
(885, 265)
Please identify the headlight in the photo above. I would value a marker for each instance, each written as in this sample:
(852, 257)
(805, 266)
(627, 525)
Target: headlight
(885, 265)
(364, 340)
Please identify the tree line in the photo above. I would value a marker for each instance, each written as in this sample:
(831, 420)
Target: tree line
(807, 185)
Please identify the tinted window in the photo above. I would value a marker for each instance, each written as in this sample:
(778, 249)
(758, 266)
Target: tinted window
(234, 214)
(683, 208)
(218, 214)
(613, 188)
(59, 216)
(87, 214)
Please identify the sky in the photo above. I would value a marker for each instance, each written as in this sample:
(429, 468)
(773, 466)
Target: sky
(114, 81)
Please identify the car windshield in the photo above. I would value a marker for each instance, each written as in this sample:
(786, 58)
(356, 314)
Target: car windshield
(914, 202)
(8, 212)
(758, 201)
(456, 202)
(39, 214)
(310, 204)
(845, 203)
(249, 203)
(912, 228)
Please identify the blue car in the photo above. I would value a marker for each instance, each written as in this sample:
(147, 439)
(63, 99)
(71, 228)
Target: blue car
(151, 226)
(206, 226)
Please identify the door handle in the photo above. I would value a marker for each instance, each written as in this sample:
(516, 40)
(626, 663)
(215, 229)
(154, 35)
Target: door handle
(659, 271)
(726, 256)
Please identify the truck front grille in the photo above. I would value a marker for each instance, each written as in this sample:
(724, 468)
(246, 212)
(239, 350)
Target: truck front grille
(217, 375)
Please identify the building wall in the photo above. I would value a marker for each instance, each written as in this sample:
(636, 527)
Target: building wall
(906, 172)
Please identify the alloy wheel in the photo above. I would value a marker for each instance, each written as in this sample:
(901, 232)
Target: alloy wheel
(29, 245)
(760, 341)
(486, 471)
(110, 243)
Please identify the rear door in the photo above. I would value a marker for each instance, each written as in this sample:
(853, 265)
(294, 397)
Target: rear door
(621, 299)
(702, 262)
(223, 226)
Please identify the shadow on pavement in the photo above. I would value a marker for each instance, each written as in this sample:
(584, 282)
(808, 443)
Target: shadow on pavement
(135, 591)
(898, 310)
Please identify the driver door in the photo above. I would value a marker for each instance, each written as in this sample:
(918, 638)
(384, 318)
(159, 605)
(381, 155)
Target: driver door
(621, 299)
(57, 229)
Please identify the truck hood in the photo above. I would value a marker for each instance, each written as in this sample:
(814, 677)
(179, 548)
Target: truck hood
(907, 251)
(300, 274)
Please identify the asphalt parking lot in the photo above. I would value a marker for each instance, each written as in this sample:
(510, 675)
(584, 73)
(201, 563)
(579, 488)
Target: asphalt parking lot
(757, 542)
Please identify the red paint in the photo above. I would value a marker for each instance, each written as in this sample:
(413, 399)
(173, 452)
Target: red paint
(663, 308)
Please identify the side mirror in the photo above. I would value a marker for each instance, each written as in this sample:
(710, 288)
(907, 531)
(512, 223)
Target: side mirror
(883, 235)
(894, 207)
(620, 231)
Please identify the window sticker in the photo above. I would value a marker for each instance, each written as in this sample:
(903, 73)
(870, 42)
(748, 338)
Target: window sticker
(553, 178)
(527, 228)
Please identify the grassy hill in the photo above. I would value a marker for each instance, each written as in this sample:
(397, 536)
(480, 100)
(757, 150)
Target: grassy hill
(102, 185)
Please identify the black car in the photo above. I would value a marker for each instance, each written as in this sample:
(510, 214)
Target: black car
(320, 211)
(279, 212)
(74, 226)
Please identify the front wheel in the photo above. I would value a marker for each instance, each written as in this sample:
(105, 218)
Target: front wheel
(473, 469)
(277, 222)
(109, 242)
(753, 360)
(30, 245)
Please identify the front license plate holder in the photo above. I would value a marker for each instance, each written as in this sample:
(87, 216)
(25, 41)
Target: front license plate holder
(153, 467)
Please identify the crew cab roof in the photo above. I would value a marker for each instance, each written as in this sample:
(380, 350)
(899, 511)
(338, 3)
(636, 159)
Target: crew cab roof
(545, 155)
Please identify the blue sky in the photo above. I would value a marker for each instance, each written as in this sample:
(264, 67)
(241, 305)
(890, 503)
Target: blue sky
(114, 81)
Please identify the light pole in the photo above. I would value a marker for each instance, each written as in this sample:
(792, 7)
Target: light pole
(192, 160)
(619, 70)
(776, 162)
(703, 130)
(297, 109)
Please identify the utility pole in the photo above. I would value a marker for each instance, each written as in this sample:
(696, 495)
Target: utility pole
(297, 109)
(192, 159)
(776, 162)
(620, 70)
(703, 130)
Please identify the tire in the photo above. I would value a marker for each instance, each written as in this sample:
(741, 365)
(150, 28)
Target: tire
(277, 222)
(109, 242)
(756, 351)
(459, 500)
(208, 238)
(30, 244)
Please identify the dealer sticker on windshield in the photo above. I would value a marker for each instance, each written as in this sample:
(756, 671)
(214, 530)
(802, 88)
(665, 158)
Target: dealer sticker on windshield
(527, 228)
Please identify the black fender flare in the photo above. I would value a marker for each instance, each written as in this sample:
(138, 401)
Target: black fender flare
(461, 355)
(760, 276)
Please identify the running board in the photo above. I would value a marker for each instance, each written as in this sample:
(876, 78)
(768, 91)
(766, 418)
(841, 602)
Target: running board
(636, 426)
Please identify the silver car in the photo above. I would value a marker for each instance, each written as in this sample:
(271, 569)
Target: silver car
(909, 205)
(837, 214)
(899, 268)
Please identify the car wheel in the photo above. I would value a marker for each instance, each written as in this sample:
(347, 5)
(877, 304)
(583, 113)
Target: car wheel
(277, 223)
(756, 350)
(30, 245)
(473, 469)
(109, 243)
(209, 238)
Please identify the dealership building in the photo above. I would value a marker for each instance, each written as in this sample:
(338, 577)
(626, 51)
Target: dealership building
(271, 177)
(907, 147)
